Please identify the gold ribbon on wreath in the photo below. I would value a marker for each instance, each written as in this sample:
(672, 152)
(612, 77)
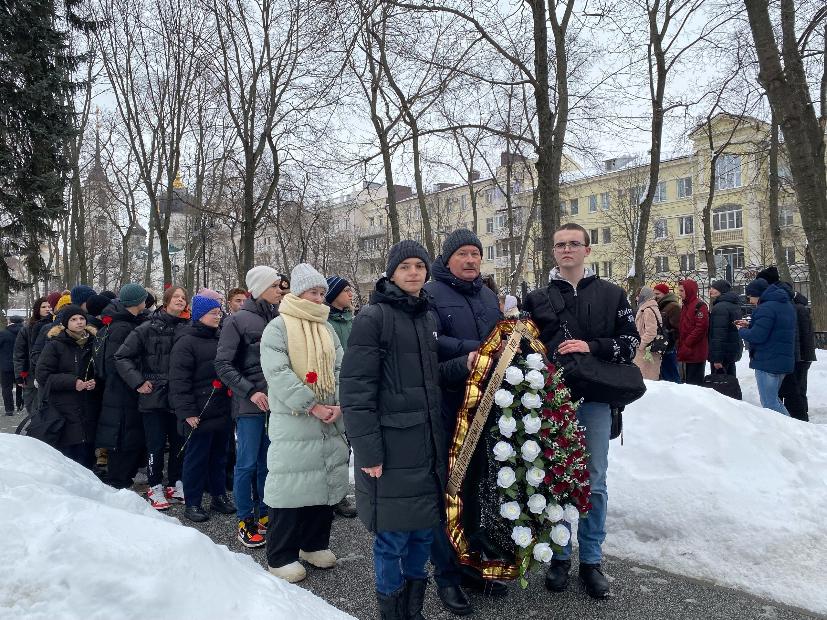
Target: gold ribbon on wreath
(458, 457)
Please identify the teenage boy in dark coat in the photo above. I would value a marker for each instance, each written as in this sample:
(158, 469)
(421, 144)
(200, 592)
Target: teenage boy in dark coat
(391, 404)
(466, 311)
(606, 319)
(725, 345)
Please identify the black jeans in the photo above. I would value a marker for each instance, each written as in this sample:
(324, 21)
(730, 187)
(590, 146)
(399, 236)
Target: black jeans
(160, 427)
(204, 461)
(793, 392)
(694, 373)
(293, 529)
(123, 466)
(12, 393)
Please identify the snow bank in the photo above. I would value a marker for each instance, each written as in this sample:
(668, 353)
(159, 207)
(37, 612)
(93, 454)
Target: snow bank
(75, 548)
(722, 490)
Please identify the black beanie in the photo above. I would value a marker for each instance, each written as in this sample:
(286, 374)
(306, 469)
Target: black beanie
(770, 274)
(96, 303)
(405, 249)
(457, 239)
(67, 312)
(335, 285)
(722, 286)
(109, 294)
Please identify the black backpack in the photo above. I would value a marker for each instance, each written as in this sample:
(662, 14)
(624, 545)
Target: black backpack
(660, 344)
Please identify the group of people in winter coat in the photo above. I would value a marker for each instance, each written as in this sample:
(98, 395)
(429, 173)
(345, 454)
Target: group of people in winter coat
(778, 335)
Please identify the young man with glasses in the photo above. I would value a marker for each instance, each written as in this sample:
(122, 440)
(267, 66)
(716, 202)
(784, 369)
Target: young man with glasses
(606, 323)
(238, 365)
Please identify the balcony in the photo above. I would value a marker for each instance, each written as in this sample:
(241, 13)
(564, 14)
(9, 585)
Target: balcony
(728, 236)
(371, 231)
(503, 262)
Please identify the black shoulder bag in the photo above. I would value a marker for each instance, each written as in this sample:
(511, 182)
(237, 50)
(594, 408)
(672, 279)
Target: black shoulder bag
(588, 376)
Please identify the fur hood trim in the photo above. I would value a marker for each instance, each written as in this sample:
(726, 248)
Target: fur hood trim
(57, 329)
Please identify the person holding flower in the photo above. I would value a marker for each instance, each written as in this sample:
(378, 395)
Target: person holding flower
(202, 406)
(391, 402)
(307, 461)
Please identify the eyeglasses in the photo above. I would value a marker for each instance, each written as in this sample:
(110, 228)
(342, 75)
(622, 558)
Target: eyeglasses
(569, 245)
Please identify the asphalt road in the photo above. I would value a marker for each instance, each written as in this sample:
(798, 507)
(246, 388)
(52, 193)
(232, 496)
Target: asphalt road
(638, 592)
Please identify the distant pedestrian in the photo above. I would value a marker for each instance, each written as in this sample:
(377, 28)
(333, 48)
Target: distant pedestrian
(23, 344)
(8, 338)
(770, 334)
(725, 345)
(693, 343)
(647, 321)
(793, 391)
(670, 310)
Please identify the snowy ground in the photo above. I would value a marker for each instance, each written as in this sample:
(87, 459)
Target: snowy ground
(74, 548)
(722, 490)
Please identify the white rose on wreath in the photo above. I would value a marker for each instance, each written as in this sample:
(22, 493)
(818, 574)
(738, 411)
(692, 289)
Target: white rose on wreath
(535, 476)
(543, 552)
(535, 361)
(507, 425)
(560, 535)
(535, 379)
(503, 398)
(530, 450)
(514, 375)
(531, 424)
(521, 535)
(536, 503)
(506, 477)
(571, 513)
(503, 451)
(554, 512)
(531, 401)
(510, 511)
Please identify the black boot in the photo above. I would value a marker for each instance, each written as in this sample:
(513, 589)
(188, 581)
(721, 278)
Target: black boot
(415, 598)
(196, 514)
(345, 508)
(593, 579)
(455, 600)
(222, 504)
(557, 576)
(392, 606)
(473, 580)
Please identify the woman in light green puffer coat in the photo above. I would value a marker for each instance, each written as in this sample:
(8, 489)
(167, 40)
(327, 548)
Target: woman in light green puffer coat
(307, 461)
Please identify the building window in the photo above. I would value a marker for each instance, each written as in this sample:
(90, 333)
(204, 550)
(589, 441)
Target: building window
(660, 192)
(687, 262)
(660, 228)
(574, 208)
(727, 217)
(731, 255)
(685, 187)
(563, 210)
(593, 236)
(489, 224)
(661, 264)
(593, 203)
(789, 255)
(728, 172)
(606, 236)
(686, 224)
(490, 252)
(785, 217)
(607, 269)
(595, 268)
(604, 201)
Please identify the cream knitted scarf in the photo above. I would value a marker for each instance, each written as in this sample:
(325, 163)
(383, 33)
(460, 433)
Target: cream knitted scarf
(309, 344)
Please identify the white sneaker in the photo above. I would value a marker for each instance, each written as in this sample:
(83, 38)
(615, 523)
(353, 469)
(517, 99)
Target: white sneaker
(319, 559)
(291, 573)
(176, 493)
(156, 498)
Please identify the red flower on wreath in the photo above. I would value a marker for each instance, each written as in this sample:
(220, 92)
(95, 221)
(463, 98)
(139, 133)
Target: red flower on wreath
(229, 392)
(216, 384)
(24, 373)
(311, 377)
(107, 320)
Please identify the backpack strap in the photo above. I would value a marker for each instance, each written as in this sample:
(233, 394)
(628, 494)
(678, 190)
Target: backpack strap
(568, 322)
(387, 330)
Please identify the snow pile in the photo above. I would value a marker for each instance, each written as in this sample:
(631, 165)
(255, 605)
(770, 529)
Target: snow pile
(816, 386)
(722, 490)
(75, 548)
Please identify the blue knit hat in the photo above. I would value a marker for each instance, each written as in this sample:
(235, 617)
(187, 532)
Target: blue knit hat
(757, 287)
(81, 293)
(201, 305)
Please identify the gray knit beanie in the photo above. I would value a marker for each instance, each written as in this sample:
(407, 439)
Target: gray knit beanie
(304, 277)
(722, 286)
(457, 239)
(407, 248)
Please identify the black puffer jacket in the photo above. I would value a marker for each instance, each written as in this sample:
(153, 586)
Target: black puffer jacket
(390, 399)
(725, 345)
(191, 376)
(238, 359)
(120, 426)
(59, 367)
(806, 336)
(8, 337)
(38, 338)
(144, 356)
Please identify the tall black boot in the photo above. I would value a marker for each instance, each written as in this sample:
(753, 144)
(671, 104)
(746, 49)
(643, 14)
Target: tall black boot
(415, 598)
(593, 579)
(392, 606)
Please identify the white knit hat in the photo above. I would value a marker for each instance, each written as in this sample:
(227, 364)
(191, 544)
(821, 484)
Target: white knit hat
(304, 277)
(260, 278)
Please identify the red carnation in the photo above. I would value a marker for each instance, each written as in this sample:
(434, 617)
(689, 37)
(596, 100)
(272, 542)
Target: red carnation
(311, 377)
(558, 470)
(562, 442)
(545, 432)
(559, 488)
(577, 453)
(548, 453)
(107, 320)
(546, 413)
(549, 397)
(557, 416)
(216, 384)
(548, 478)
(551, 369)
(229, 392)
(24, 373)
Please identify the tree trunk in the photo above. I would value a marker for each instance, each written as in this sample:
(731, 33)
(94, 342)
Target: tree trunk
(706, 217)
(775, 222)
(150, 248)
(427, 231)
